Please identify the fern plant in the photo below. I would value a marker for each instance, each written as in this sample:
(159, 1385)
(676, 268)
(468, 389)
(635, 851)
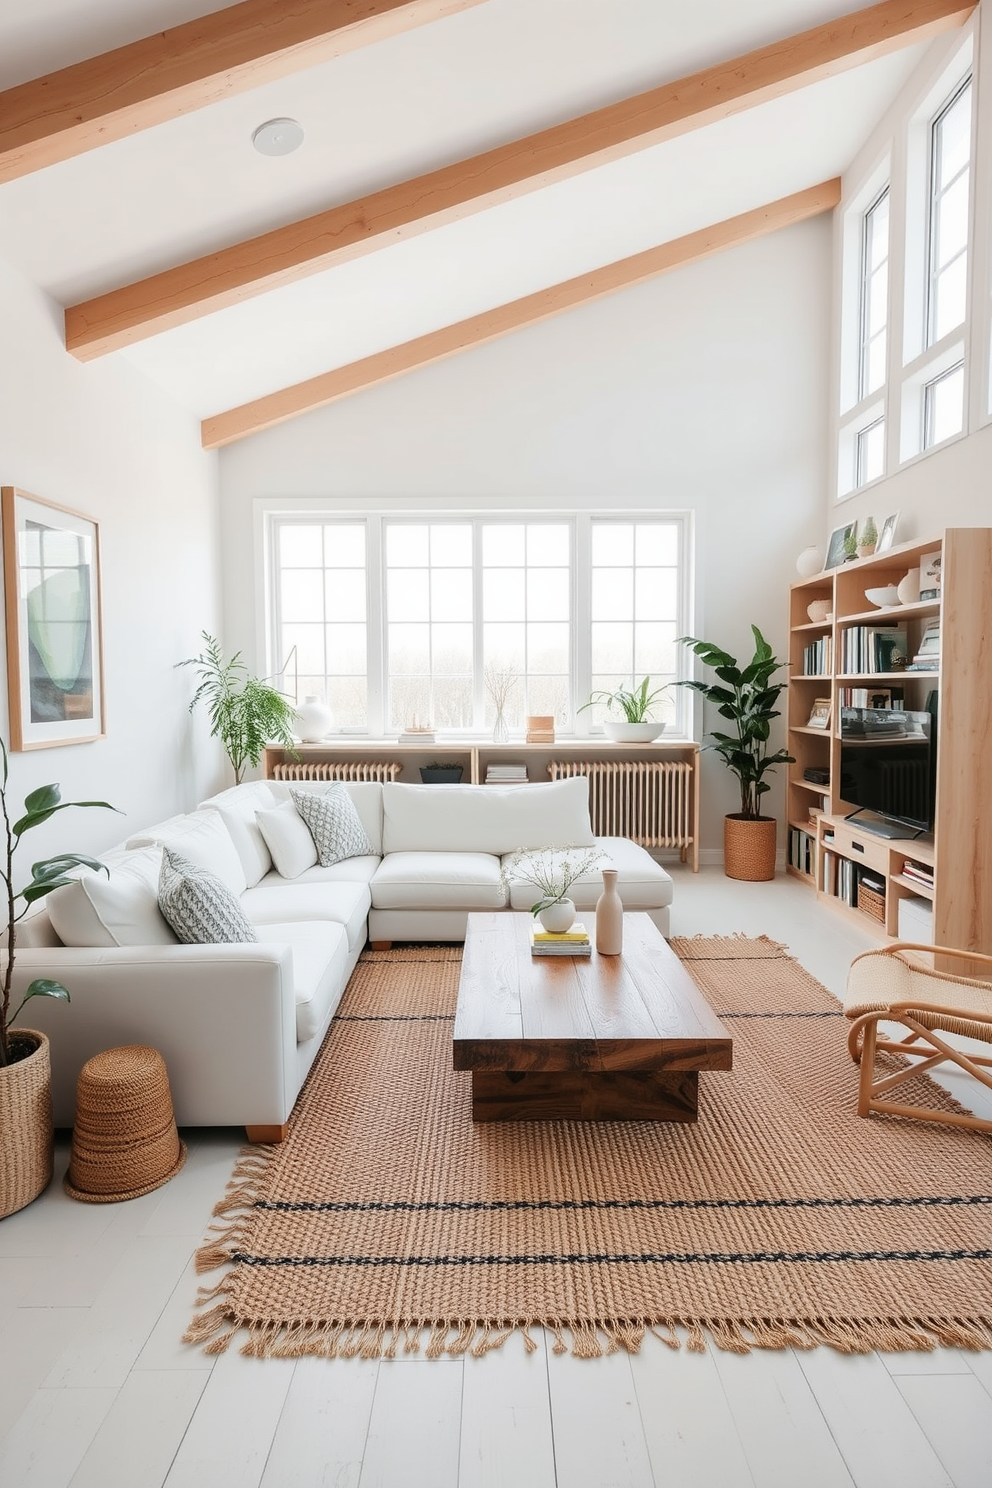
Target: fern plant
(246, 712)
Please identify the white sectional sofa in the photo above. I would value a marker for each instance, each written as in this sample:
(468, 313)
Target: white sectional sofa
(240, 1025)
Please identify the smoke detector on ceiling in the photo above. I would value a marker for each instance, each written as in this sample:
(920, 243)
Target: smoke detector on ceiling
(278, 137)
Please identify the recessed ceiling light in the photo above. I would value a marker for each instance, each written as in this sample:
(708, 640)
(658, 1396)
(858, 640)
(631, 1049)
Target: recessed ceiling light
(278, 137)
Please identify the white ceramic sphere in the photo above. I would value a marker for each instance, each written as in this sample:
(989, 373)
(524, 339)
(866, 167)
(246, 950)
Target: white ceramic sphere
(809, 562)
(558, 917)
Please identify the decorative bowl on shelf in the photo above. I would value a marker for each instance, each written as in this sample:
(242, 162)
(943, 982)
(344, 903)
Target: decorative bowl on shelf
(632, 733)
(818, 611)
(889, 595)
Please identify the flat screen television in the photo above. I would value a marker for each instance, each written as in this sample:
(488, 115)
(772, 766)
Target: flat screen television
(888, 764)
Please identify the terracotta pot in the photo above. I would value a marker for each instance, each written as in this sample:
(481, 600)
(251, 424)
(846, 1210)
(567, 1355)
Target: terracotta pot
(26, 1133)
(749, 847)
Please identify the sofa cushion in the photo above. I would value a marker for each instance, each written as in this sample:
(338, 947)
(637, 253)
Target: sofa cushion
(365, 794)
(485, 818)
(438, 880)
(334, 824)
(344, 904)
(320, 962)
(237, 808)
(288, 839)
(642, 883)
(198, 905)
(119, 908)
(202, 837)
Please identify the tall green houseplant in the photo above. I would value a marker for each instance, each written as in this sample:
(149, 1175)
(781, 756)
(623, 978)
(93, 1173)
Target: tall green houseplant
(246, 713)
(746, 696)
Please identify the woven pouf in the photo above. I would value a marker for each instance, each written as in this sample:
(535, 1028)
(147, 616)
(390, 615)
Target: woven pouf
(124, 1142)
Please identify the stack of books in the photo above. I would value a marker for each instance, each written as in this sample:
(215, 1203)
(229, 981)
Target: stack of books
(414, 734)
(574, 942)
(541, 729)
(873, 648)
(920, 873)
(505, 774)
(927, 658)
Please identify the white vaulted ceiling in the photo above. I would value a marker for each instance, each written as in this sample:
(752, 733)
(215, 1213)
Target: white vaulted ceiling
(395, 109)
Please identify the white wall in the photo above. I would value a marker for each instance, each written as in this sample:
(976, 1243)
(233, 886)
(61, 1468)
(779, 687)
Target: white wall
(703, 390)
(104, 440)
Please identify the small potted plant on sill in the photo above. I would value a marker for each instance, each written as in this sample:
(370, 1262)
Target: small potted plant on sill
(26, 1135)
(634, 704)
(747, 697)
(438, 773)
(867, 538)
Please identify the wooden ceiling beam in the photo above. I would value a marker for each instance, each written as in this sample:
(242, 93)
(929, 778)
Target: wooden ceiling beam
(281, 257)
(160, 77)
(329, 387)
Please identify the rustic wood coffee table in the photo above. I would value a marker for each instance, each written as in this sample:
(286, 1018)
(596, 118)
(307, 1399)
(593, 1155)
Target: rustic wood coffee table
(603, 1038)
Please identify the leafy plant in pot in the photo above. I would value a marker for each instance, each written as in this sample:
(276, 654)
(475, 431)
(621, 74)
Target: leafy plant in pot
(246, 712)
(747, 697)
(634, 704)
(25, 1069)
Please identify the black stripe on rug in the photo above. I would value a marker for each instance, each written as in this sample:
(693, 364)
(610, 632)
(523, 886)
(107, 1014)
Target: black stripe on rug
(498, 1206)
(646, 1258)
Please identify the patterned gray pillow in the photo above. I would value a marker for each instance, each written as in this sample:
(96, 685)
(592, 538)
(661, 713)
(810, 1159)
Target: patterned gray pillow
(334, 824)
(200, 908)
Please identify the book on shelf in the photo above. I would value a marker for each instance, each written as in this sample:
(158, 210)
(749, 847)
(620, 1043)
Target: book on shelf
(930, 569)
(872, 697)
(918, 872)
(578, 935)
(802, 850)
(417, 736)
(873, 648)
(505, 774)
(818, 657)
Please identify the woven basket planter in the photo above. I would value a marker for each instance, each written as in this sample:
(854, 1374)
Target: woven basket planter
(749, 847)
(26, 1133)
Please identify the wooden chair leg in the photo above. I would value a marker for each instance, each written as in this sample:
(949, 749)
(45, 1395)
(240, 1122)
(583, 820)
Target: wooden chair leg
(869, 1035)
(267, 1133)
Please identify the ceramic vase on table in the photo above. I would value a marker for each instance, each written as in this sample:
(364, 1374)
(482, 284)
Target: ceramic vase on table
(609, 916)
(558, 917)
(313, 719)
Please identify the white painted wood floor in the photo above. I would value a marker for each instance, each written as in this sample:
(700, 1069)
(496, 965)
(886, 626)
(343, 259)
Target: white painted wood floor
(96, 1390)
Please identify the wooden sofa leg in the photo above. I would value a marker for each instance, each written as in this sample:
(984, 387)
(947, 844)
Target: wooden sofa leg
(267, 1133)
(381, 945)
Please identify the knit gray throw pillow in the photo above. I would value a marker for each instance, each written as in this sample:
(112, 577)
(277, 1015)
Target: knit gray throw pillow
(200, 908)
(334, 824)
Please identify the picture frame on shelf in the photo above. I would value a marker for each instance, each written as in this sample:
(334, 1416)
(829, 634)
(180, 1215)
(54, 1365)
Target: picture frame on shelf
(887, 533)
(51, 558)
(835, 547)
(819, 717)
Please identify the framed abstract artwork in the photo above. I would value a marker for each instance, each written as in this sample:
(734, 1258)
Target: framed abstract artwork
(51, 565)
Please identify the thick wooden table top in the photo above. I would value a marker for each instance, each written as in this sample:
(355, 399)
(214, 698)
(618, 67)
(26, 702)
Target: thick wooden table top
(637, 1011)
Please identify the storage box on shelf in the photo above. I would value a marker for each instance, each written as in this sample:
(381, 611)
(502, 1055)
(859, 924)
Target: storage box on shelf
(934, 645)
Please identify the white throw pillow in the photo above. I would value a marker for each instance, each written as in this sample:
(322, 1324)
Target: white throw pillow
(334, 824)
(119, 909)
(486, 818)
(365, 794)
(199, 906)
(237, 808)
(204, 839)
(288, 839)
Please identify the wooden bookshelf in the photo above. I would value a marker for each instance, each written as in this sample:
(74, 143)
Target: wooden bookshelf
(959, 850)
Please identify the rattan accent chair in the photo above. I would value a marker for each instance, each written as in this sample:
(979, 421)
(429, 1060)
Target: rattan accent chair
(893, 985)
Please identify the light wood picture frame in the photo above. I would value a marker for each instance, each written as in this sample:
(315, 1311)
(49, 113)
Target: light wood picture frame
(819, 717)
(51, 566)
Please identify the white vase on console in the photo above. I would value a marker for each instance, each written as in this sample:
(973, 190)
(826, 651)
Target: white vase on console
(313, 719)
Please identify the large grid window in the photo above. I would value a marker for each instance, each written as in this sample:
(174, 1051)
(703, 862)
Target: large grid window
(874, 295)
(950, 177)
(398, 622)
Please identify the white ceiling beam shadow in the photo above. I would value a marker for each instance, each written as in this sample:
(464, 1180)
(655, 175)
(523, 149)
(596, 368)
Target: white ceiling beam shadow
(174, 72)
(329, 387)
(231, 275)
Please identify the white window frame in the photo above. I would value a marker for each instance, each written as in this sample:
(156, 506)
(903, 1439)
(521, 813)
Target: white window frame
(270, 513)
(866, 338)
(934, 199)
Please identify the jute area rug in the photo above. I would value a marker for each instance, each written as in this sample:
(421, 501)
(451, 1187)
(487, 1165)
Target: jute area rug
(387, 1222)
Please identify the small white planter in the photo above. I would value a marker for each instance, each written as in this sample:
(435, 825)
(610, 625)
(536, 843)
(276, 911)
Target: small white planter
(558, 917)
(633, 733)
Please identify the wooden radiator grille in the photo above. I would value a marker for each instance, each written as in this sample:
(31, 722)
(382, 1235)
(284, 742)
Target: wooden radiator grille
(649, 801)
(380, 770)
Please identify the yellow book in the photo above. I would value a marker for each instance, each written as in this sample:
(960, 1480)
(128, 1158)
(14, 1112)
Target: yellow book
(578, 935)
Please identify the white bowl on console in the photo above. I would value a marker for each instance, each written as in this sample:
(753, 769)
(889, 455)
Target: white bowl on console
(885, 597)
(632, 733)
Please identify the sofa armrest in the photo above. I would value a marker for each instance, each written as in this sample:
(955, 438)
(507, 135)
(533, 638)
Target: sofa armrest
(222, 1016)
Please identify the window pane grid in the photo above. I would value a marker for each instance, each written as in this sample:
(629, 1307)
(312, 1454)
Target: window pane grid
(634, 614)
(874, 294)
(950, 183)
(870, 453)
(943, 406)
(322, 622)
(526, 620)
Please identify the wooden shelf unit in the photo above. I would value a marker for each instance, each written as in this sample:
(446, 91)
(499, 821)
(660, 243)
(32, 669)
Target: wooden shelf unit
(960, 849)
(476, 755)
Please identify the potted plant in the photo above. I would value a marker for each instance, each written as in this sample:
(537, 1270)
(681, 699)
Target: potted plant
(26, 1147)
(634, 704)
(747, 697)
(867, 538)
(552, 871)
(851, 543)
(246, 713)
(438, 773)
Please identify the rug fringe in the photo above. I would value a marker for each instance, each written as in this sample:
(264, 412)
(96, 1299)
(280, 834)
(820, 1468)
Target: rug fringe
(240, 1195)
(377, 1338)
